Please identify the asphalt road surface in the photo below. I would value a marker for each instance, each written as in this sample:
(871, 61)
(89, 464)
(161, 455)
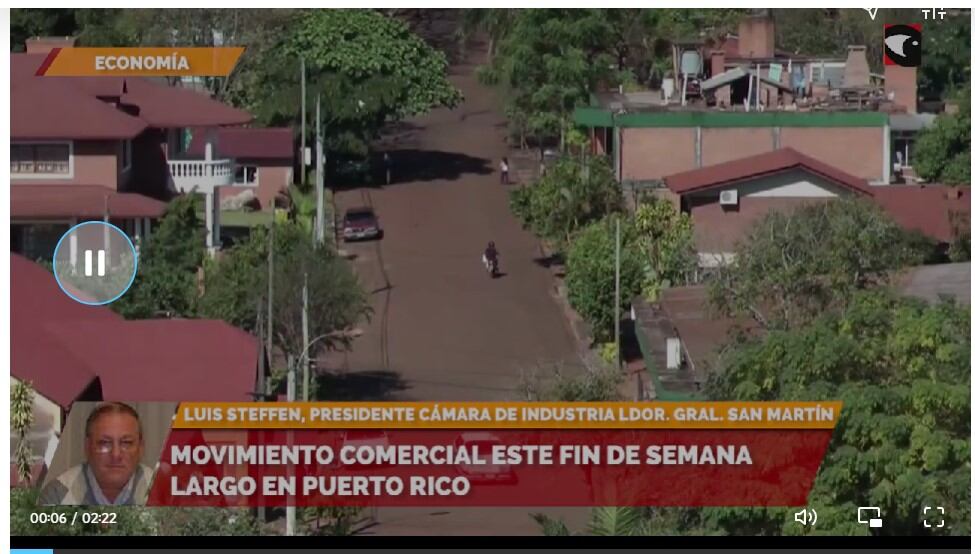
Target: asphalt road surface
(442, 329)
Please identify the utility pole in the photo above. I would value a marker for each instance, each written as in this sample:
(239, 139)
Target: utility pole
(261, 369)
(304, 144)
(616, 308)
(319, 175)
(306, 367)
(270, 302)
(290, 512)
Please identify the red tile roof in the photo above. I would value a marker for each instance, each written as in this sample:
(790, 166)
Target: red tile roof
(69, 107)
(777, 161)
(39, 111)
(248, 142)
(64, 347)
(48, 200)
(926, 208)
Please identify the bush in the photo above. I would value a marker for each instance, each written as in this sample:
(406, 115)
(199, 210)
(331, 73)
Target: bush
(593, 384)
(571, 194)
(590, 274)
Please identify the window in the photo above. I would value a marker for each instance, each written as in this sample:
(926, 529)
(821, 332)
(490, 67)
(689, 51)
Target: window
(40, 159)
(126, 155)
(245, 175)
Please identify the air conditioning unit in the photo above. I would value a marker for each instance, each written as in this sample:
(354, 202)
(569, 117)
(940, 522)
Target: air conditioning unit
(728, 197)
(674, 356)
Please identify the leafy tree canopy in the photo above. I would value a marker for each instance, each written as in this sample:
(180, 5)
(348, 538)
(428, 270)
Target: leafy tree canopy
(237, 282)
(369, 69)
(570, 195)
(793, 265)
(166, 282)
(590, 273)
(943, 152)
(903, 370)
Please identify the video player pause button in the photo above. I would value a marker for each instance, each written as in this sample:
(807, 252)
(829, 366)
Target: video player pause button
(88, 264)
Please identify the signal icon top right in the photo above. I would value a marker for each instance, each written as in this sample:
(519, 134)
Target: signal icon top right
(902, 44)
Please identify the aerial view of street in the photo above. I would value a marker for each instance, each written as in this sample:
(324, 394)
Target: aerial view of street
(443, 330)
(289, 208)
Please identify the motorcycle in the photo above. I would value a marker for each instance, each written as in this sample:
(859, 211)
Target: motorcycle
(490, 265)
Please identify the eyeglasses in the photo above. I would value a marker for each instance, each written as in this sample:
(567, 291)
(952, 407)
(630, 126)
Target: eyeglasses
(125, 446)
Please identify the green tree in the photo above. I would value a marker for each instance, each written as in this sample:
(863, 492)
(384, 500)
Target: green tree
(369, 69)
(590, 273)
(26, 23)
(943, 152)
(571, 194)
(666, 238)
(548, 63)
(603, 522)
(234, 284)
(21, 420)
(903, 371)
(555, 382)
(793, 265)
(166, 282)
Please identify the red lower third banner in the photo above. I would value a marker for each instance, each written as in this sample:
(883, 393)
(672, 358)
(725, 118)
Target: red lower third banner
(505, 467)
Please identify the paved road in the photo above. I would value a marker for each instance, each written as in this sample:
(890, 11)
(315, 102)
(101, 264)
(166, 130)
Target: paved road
(442, 329)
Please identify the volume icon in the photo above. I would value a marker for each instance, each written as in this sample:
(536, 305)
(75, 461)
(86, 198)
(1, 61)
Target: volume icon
(806, 516)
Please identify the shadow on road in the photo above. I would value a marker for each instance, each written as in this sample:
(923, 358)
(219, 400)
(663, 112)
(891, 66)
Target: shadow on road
(360, 386)
(432, 165)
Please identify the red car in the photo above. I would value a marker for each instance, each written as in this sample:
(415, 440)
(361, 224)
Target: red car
(361, 223)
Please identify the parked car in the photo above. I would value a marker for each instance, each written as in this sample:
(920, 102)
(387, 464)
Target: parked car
(484, 473)
(361, 223)
(364, 438)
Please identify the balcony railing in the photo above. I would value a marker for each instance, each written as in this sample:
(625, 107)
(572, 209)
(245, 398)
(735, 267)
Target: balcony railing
(201, 175)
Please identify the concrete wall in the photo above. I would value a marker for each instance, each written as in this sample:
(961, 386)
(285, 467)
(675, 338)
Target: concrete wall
(652, 153)
(857, 150)
(718, 228)
(789, 184)
(725, 145)
(93, 163)
(272, 180)
(655, 152)
(96, 163)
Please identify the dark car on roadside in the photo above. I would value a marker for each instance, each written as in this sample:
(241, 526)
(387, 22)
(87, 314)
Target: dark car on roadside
(361, 224)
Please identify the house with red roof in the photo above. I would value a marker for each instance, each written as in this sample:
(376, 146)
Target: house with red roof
(264, 160)
(105, 148)
(72, 352)
(725, 200)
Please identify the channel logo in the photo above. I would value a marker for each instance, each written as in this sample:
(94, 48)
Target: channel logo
(902, 45)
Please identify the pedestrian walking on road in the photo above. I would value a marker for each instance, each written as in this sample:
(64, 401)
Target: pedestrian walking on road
(388, 166)
(504, 171)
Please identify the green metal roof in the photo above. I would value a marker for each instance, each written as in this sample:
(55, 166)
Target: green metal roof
(593, 117)
(599, 117)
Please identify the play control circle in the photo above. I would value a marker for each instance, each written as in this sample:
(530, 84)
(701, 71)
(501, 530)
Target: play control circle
(95, 263)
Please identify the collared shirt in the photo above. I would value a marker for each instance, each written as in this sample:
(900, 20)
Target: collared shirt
(98, 497)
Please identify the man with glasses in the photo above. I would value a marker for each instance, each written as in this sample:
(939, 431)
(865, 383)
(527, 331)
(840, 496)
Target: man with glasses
(112, 474)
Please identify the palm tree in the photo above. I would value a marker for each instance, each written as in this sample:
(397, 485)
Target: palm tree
(21, 420)
(603, 522)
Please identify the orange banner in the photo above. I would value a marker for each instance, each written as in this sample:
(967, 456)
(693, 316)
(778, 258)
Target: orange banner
(508, 415)
(145, 62)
